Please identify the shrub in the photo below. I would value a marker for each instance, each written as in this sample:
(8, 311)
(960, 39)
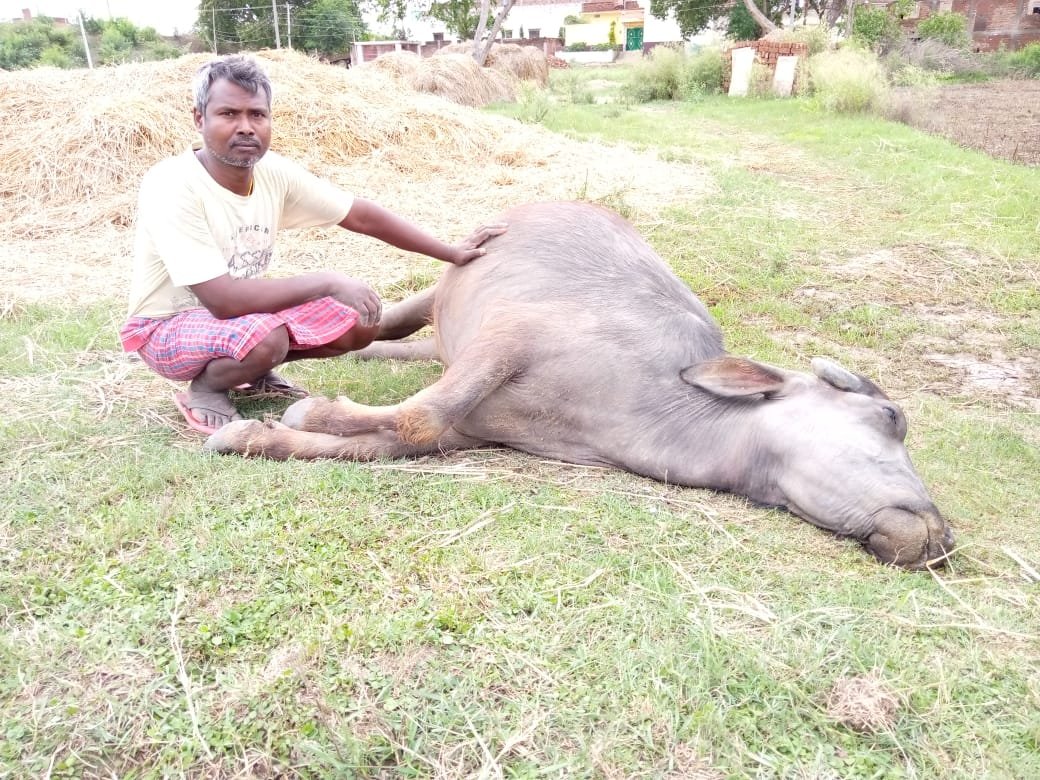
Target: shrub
(56, 57)
(532, 102)
(578, 46)
(913, 76)
(702, 74)
(948, 27)
(874, 28)
(933, 55)
(1026, 60)
(760, 84)
(848, 81)
(816, 38)
(658, 78)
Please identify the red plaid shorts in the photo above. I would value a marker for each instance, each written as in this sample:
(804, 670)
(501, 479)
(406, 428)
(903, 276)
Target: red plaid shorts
(180, 346)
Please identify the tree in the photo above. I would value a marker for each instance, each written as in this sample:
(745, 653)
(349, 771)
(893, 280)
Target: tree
(327, 26)
(695, 15)
(459, 16)
(39, 42)
(319, 25)
(482, 44)
(395, 10)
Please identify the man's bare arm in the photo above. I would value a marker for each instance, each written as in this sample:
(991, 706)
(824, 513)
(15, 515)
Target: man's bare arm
(226, 297)
(373, 220)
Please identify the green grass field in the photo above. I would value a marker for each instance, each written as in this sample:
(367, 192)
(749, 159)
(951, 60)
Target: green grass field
(488, 614)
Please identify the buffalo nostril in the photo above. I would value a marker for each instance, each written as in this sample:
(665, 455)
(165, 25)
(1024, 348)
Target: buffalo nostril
(912, 540)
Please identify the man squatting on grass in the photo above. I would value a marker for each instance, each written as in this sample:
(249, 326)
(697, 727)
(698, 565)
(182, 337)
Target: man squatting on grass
(206, 225)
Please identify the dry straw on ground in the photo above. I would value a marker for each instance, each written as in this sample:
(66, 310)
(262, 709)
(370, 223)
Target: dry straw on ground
(863, 703)
(76, 144)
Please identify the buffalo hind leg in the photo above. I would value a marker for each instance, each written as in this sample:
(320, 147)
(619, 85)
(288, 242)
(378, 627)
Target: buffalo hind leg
(420, 349)
(279, 442)
(406, 317)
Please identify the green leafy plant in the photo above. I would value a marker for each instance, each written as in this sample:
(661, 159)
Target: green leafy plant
(659, 77)
(874, 28)
(702, 73)
(1026, 60)
(948, 27)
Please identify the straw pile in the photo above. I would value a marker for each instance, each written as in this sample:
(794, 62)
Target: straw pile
(526, 63)
(454, 77)
(76, 144)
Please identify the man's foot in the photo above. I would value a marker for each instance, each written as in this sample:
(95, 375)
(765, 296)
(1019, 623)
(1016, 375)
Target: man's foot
(272, 384)
(206, 411)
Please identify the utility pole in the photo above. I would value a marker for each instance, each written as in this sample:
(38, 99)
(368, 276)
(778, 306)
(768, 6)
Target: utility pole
(288, 23)
(86, 45)
(274, 15)
(214, 11)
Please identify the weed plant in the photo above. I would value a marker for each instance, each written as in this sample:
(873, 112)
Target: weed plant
(702, 73)
(849, 81)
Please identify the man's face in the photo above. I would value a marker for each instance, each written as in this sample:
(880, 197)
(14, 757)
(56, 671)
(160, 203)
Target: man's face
(236, 128)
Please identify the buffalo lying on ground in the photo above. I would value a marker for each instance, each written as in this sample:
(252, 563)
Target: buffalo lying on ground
(571, 339)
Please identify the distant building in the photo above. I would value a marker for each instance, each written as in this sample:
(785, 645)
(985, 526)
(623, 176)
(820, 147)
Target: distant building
(59, 21)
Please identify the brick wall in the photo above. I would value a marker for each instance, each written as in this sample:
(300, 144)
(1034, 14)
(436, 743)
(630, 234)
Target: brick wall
(766, 52)
(992, 22)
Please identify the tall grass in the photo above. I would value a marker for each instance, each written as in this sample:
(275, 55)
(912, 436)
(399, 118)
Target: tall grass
(849, 81)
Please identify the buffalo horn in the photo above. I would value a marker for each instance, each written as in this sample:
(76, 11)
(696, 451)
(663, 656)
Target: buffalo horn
(833, 374)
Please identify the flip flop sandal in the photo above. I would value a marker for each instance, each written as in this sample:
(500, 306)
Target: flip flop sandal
(278, 387)
(181, 399)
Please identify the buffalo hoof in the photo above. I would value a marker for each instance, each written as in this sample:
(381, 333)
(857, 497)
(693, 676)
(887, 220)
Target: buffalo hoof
(234, 437)
(911, 540)
(295, 415)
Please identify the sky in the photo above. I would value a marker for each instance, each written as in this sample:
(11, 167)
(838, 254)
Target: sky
(165, 16)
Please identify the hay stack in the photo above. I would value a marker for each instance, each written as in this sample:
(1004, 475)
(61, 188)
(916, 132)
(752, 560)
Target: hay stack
(458, 78)
(402, 65)
(526, 63)
(455, 77)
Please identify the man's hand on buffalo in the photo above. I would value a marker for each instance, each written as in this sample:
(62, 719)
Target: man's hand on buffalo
(357, 295)
(471, 247)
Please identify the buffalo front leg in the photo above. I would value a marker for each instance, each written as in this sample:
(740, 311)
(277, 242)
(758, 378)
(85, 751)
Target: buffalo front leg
(279, 442)
(479, 369)
(488, 362)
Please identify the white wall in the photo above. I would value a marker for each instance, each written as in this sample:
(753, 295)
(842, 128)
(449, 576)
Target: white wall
(546, 18)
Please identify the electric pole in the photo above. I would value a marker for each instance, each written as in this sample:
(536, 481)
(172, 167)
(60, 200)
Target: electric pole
(274, 15)
(86, 44)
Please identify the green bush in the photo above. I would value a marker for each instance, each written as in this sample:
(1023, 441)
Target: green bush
(578, 46)
(816, 38)
(702, 74)
(874, 28)
(947, 27)
(55, 56)
(849, 81)
(1026, 60)
(115, 47)
(659, 77)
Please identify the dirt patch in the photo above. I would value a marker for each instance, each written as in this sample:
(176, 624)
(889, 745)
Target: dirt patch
(1000, 118)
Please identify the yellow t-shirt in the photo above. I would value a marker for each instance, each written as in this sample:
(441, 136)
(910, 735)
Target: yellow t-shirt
(191, 230)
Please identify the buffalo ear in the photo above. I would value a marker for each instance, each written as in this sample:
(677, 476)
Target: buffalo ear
(733, 377)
